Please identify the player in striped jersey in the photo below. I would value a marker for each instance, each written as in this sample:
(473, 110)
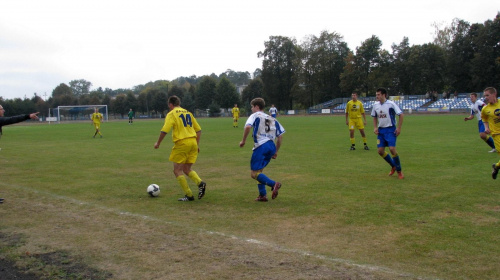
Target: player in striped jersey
(266, 130)
(387, 129)
(475, 110)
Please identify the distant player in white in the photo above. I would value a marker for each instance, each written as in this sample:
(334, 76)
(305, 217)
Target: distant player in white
(273, 111)
(475, 110)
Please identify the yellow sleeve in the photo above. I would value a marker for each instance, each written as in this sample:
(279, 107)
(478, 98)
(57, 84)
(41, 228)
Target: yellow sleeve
(168, 124)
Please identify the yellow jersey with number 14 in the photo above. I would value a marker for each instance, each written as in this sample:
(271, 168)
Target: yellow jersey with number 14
(182, 122)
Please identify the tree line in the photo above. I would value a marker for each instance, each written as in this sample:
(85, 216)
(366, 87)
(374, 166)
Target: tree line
(463, 57)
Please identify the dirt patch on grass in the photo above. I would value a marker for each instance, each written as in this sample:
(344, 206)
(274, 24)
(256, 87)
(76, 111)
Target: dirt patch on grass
(51, 265)
(9, 271)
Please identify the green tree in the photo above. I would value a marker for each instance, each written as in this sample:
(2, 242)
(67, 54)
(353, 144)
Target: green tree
(188, 102)
(368, 59)
(176, 90)
(254, 89)
(80, 87)
(61, 89)
(280, 70)
(427, 62)
(402, 77)
(142, 102)
(460, 55)
(323, 62)
(131, 101)
(119, 105)
(226, 93)
(237, 78)
(350, 79)
(159, 101)
(485, 66)
(205, 92)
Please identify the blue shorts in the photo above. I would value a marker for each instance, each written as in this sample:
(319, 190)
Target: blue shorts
(386, 137)
(273, 115)
(262, 156)
(480, 126)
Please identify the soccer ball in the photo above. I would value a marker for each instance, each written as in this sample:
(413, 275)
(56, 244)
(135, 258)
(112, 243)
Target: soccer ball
(153, 190)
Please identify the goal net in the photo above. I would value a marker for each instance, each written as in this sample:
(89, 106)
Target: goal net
(77, 112)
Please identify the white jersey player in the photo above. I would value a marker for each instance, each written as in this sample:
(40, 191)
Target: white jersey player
(475, 110)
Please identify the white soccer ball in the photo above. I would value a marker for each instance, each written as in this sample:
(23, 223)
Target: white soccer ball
(153, 190)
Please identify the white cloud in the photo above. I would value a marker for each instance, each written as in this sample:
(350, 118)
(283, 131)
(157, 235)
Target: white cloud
(120, 44)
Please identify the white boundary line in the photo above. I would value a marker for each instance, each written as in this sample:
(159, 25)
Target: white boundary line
(234, 237)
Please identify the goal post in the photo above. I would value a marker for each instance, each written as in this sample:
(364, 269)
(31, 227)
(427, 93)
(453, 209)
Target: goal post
(78, 112)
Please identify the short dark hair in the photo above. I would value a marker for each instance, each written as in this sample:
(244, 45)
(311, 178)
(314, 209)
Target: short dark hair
(259, 102)
(473, 93)
(382, 90)
(174, 100)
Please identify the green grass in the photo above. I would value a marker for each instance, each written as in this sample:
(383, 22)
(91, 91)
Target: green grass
(441, 221)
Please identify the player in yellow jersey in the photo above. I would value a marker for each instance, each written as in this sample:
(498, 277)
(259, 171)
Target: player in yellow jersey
(490, 114)
(96, 121)
(353, 113)
(236, 115)
(186, 137)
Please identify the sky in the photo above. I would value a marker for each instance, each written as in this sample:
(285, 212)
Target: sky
(123, 43)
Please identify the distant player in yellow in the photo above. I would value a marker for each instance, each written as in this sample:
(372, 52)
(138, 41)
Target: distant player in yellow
(353, 113)
(236, 115)
(96, 121)
(490, 114)
(186, 136)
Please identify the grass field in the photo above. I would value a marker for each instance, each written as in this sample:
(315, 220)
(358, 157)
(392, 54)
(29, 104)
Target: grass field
(338, 214)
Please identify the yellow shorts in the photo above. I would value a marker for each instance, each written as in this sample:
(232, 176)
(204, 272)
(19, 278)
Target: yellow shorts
(184, 151)
(97, 125)
(496, 140)
(235, 118)
(356, 123)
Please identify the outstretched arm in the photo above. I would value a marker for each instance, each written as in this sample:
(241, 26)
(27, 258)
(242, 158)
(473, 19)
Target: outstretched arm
(245, 135)
(17, 119)
(160, 138)
(278, 145)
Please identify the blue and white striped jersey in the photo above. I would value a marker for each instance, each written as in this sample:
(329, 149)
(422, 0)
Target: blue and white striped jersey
(265, 128)
(475, 109)
(386, 113)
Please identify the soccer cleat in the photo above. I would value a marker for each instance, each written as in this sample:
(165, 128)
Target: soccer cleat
(352, 148)
(494, 173)
(493, 151)
(186, 198)
(366, 148)
(261, 198)
(1, 200)
(201, 189)
(392, 171)
(400, 175)
(276, 188)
